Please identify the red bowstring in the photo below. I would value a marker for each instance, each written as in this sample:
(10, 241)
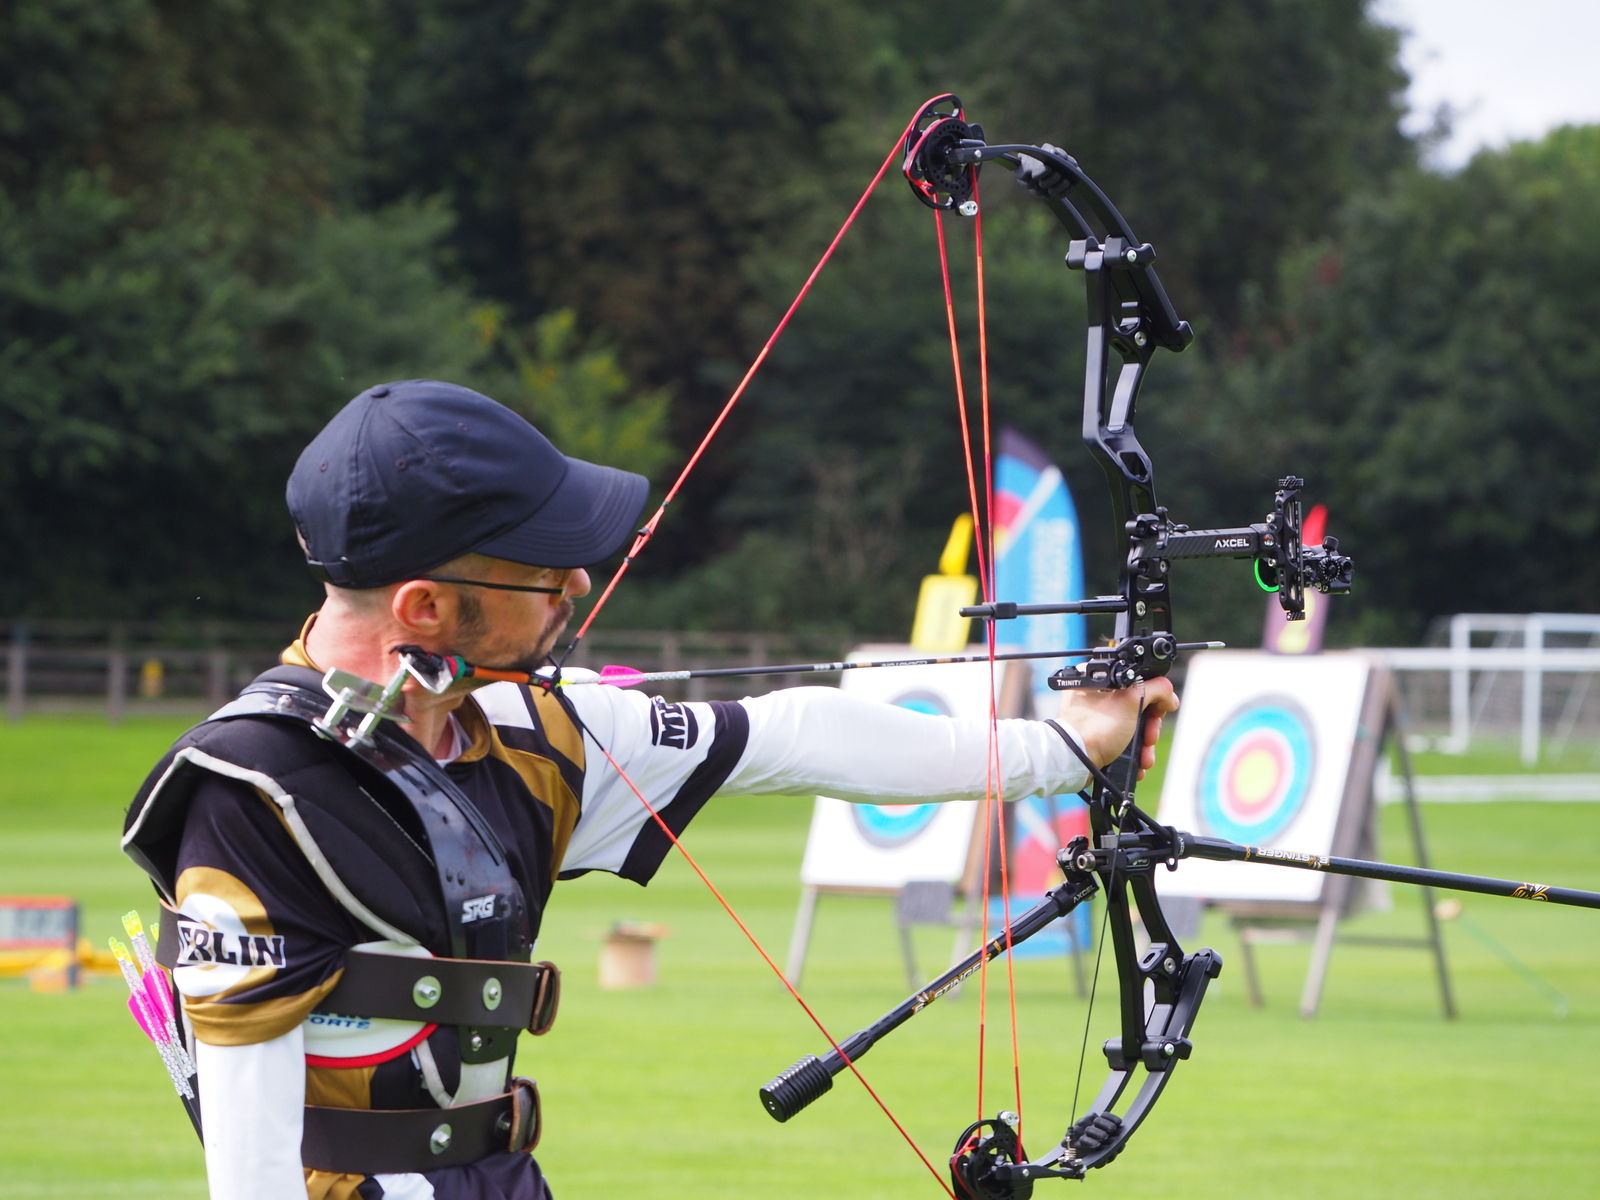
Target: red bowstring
(642, 538)
(993, 800)
(988, 478)
(993, 788)
(767, 958)
(983, 584)
(983, 380)
(984, 580)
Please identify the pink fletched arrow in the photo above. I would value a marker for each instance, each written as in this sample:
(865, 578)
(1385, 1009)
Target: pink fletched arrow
(137, 1005)
(160, 999)
(151, 1006)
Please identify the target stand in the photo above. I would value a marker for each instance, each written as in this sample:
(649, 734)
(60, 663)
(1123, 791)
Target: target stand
(1342, 896)
(1281, 752)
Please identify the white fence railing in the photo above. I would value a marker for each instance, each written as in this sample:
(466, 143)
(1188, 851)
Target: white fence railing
(1537, 674)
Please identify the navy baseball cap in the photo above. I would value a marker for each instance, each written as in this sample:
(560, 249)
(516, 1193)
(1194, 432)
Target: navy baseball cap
(411, 475)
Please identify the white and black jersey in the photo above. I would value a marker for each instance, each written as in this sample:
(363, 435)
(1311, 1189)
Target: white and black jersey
(264, 940)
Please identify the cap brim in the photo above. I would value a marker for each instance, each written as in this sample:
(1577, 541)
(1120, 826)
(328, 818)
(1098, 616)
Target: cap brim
(591, 514)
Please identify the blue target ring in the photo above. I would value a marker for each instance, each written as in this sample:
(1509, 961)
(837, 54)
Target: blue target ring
(890, 825)
(1257, 771)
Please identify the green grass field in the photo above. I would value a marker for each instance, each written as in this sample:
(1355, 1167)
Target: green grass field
(652, 1093)
(1503, 756)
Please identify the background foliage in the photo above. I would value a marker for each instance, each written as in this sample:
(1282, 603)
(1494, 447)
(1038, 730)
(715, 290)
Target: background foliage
(218, 221)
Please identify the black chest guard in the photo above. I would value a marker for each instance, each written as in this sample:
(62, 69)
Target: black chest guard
(333, 794)
(485, 912)
(356, 808)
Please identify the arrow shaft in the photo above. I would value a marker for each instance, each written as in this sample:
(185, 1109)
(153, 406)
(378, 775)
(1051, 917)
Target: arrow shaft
(808, 668)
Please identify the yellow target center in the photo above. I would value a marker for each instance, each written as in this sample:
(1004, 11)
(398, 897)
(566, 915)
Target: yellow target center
(1255, 776)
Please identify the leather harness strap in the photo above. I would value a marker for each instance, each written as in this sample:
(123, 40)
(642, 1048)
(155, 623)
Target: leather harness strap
(364, 1141)
(439, 991)
(446, 991)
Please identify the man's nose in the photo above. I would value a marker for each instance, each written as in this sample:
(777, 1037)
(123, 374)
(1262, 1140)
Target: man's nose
(578, 584)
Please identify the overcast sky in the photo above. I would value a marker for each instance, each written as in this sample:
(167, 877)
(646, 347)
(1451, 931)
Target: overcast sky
(1511, 70)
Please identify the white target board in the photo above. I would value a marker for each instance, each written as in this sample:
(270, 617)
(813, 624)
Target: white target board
(1261, 756)
(885, 846)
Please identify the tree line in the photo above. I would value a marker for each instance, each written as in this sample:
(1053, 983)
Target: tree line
(219, 222)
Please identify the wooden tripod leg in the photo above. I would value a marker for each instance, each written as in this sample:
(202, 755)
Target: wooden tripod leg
(802, 936)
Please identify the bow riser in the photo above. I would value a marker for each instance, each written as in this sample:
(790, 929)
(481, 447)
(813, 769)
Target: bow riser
(1108, 432)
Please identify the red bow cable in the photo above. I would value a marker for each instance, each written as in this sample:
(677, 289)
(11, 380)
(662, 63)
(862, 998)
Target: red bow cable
(993, 801)
(982, 527)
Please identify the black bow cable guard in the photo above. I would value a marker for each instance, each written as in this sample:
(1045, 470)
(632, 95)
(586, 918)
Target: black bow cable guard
(1130, 315)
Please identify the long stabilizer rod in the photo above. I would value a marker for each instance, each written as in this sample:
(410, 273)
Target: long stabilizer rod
(812, 1077)
(1219, 850)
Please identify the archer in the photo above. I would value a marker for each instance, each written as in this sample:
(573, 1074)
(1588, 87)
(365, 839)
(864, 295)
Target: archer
(355, 873)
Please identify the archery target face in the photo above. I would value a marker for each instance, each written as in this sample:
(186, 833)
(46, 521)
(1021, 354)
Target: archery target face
(1256, 773)
(890, 825)
(1260, 756)
(884, 846)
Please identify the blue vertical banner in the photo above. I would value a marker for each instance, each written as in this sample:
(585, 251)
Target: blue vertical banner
(1038, 556)
(1039, 559)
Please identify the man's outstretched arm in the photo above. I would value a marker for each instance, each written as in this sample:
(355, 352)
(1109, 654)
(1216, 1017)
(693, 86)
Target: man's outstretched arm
(824, 740)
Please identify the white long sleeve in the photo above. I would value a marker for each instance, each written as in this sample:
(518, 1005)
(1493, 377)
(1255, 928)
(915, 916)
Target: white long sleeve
(251, 1106)
(813, 739)
(797, 742)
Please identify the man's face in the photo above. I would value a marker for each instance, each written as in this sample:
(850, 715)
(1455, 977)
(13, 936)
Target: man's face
(514, 631)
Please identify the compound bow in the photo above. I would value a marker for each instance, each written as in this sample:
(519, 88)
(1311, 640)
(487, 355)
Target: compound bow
(1129, 315)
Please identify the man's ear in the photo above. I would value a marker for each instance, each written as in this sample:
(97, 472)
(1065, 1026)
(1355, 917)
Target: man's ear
(424, 608)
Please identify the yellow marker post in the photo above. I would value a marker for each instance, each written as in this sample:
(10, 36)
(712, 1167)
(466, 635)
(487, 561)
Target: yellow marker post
(938, 625)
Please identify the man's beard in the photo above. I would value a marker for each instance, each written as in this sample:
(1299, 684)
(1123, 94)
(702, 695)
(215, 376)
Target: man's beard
(474, 631)
(547, 640)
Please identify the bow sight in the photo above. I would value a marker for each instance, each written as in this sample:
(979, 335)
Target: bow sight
(1130, 315)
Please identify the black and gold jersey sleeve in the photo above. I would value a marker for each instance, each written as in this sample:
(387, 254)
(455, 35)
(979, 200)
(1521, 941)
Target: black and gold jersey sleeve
(586, 751)
(260, 940)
